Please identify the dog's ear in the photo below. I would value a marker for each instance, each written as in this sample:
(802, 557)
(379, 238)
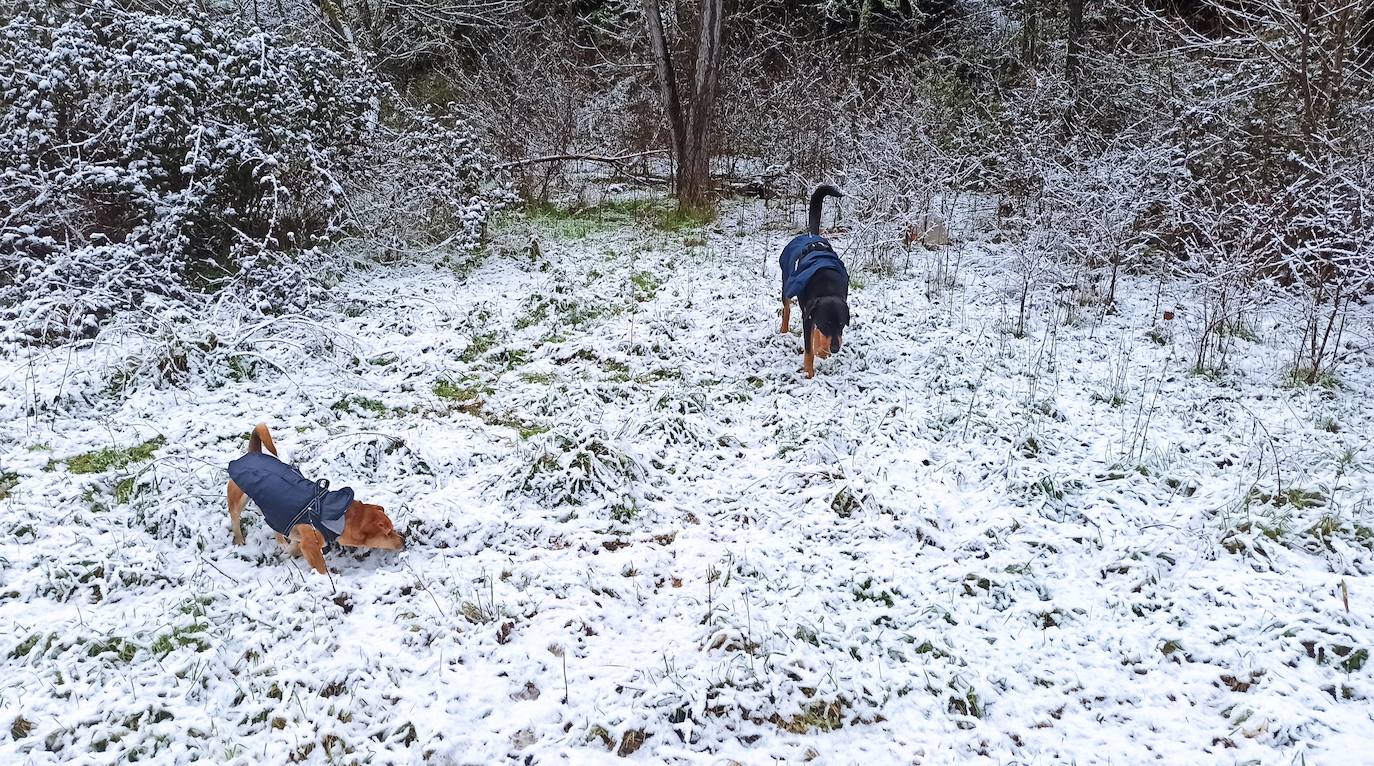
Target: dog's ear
(844, 314)
(373, 528)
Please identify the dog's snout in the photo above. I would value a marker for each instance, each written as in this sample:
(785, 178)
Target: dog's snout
(835, 345)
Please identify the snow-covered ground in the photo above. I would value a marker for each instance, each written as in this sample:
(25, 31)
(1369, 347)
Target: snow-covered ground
(636, 529)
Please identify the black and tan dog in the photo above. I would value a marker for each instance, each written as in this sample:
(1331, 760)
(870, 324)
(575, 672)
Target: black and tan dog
(814, 275)
(305, 514)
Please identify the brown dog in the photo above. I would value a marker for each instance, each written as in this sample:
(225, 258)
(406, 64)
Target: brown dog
(363, 525)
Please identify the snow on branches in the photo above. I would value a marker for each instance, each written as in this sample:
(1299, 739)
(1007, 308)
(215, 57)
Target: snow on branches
(170, 157)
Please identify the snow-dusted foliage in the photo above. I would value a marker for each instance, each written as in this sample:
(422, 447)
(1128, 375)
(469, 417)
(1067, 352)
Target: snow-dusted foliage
(635, 529)
(148, 156)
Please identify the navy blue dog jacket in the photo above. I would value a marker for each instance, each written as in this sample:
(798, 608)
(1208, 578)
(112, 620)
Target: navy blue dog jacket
(805, 255)
(287, 498)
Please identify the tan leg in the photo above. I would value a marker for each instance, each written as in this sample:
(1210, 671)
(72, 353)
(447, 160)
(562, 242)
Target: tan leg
(237, 502)
(308, 541)
(809, 364)
(820, 345)
(786, 315)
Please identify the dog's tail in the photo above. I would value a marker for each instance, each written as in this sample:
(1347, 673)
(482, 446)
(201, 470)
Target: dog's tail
(259, 437)
(818, 199)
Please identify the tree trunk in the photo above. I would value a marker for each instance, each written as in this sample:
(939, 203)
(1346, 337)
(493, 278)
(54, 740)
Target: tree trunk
(667, 81)
(690, 126)
(1029, 31)
(695, 167)
(1075, 44)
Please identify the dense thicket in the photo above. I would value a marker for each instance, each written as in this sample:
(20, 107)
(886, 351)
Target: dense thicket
(149, 158)
(1231, 141)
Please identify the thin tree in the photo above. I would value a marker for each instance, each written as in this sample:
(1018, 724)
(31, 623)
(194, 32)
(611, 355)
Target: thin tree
(1075, 41)
(689, 111)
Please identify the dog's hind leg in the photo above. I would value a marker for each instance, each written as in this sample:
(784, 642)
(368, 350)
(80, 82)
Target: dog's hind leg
(237, 502)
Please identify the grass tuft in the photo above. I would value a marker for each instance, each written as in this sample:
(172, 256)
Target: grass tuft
(8, 481)
(110, 458)
(819, 716)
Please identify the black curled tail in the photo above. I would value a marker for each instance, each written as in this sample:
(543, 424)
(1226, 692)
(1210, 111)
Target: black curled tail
(818, 199)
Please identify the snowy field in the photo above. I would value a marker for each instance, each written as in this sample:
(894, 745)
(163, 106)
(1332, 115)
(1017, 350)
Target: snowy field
(636, 530)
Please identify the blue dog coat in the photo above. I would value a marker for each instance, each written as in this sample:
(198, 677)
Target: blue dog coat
(805, 255)
(287, 498)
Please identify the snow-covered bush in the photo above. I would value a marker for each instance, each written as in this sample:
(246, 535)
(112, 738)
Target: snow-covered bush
(171, 156)
(577, 464)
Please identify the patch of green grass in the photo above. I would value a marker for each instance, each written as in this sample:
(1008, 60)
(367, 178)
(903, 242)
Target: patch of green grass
(1364, 536)
(818, 716)
(576, 224)
(242, 368)
(1297, 377)
(1113, 399)
(866, 592)
(511, 358)
(574, 313)
(646, 286)
(109, 458)
(845, 503)
(659, 376)
(676, 219)
(28, 644)
(187, 635)
(1238, 329)
(531, 431)
(538, 378)
(966, 703)
(1354, 660)
(1295, 497)
(524, 428)
(619, 371)
(124, 490)
(536, 311)
(1209, 374)
(123, 649)
(625, 512)
(355, 403)
(855, 283)
(8, 481)
(1052, 488)
(481, 343)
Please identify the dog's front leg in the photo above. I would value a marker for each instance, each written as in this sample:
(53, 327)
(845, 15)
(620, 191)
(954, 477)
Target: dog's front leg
(808, 358)
(308, 542)
(786, 315)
